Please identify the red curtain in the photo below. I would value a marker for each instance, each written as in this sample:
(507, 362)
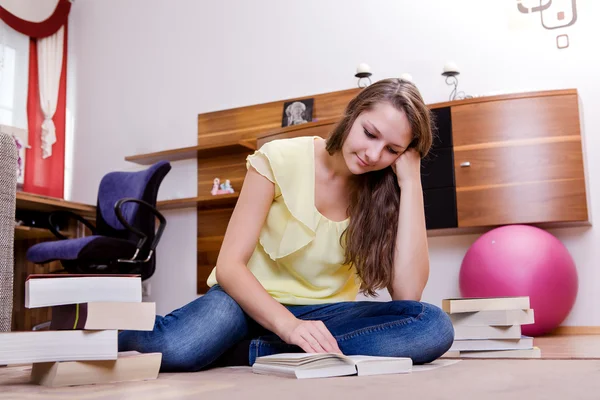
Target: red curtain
(38, 29)
(45, 176)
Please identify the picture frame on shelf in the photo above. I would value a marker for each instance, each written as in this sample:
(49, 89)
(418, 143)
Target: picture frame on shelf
(297, 112)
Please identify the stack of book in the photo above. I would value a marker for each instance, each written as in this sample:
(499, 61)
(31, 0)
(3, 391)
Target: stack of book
(490, 327)
(81, 344)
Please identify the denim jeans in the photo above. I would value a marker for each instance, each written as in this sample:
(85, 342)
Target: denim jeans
(193, 337)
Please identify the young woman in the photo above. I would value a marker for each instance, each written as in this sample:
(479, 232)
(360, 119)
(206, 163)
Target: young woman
(316, 222)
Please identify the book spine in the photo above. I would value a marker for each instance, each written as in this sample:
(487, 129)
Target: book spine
(69, 316)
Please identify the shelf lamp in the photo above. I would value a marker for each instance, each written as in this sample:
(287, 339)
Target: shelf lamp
(363, 71)
(451, 72)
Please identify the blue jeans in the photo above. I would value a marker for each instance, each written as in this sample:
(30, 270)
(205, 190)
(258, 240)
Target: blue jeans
(194, 336)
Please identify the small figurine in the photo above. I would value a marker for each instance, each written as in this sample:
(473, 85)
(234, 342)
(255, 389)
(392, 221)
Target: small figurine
(221, 188)
(227, 186)
(215, 188)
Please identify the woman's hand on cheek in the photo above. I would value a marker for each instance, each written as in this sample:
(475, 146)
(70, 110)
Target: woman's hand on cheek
(407, 167)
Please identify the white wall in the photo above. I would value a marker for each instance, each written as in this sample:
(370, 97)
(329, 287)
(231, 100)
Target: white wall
(146, 68)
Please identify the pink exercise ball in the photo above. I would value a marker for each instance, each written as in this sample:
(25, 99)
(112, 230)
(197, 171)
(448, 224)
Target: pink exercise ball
(521, 260)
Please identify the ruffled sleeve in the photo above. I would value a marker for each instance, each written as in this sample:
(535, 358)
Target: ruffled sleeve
(292, 220)
(259, 161)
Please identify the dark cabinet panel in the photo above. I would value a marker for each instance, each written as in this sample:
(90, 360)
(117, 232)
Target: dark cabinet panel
(440, 208)
(437, 169)
(442, 132)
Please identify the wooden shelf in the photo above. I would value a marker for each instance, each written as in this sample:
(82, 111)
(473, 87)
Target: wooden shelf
(200, 151)
(210, 243)
(222, 200)
(28, 232)
(29, 201)
(324, 121)
(485, 98)
(177, 203)
(203, 202)
(219, 149)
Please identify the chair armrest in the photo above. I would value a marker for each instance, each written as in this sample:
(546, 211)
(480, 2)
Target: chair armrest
(143, 237)
(64, 213)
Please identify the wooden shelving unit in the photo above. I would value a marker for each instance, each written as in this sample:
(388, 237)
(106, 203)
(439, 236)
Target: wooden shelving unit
(210, 243)
(28, 232)
(202, 202)
(175, 204)
(222, 200)
(220, 149)
(301, 127)
(188, 153)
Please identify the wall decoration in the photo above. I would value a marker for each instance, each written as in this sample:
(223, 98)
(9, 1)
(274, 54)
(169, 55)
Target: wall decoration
(554, 14)
(297, 112)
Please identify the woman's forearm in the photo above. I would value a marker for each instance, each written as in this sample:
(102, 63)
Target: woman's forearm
(411, 256)
(246, 290)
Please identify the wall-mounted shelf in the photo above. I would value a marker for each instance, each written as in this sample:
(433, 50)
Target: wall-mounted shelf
(188, 153)
(28, 232)
(312, 124)
(219, 149)
(202, 202)
(177, 203)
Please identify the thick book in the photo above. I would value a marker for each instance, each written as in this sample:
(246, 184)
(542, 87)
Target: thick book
(534, 352)
(493, 317)
(105, 315)
(324, 365)
(129, 366)
(43, 346)
(487, 332)
(471, 304)
(45, 290)
(525, 342)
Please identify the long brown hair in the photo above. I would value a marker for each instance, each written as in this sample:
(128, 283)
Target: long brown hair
(370, 238)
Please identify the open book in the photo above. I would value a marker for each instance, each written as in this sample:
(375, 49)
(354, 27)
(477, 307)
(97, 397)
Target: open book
(323, 365)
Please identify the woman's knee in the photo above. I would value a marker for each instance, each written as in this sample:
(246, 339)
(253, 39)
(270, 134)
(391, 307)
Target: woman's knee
(194, 335)
(437, 334)
(216, 310)
(215, 324)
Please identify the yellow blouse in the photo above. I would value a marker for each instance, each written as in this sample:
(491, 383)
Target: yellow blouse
(298, 258)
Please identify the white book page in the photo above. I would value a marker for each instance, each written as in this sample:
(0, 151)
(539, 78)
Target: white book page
(358, 359)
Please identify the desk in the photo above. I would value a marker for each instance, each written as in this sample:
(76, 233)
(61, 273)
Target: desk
(29, 201)
(25, 319)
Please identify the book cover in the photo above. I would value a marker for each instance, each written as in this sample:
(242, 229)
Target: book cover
(44, 346)
(487, 332)
(534, 352)
(129, 366)
(471, 304)
(493, 317)
(525, 342)
(104, 315)
(46, 276)
(46, 291)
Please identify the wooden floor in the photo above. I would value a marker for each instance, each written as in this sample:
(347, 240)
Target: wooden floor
(567, 348)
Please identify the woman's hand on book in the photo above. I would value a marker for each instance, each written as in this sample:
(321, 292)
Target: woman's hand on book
(310, 336)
